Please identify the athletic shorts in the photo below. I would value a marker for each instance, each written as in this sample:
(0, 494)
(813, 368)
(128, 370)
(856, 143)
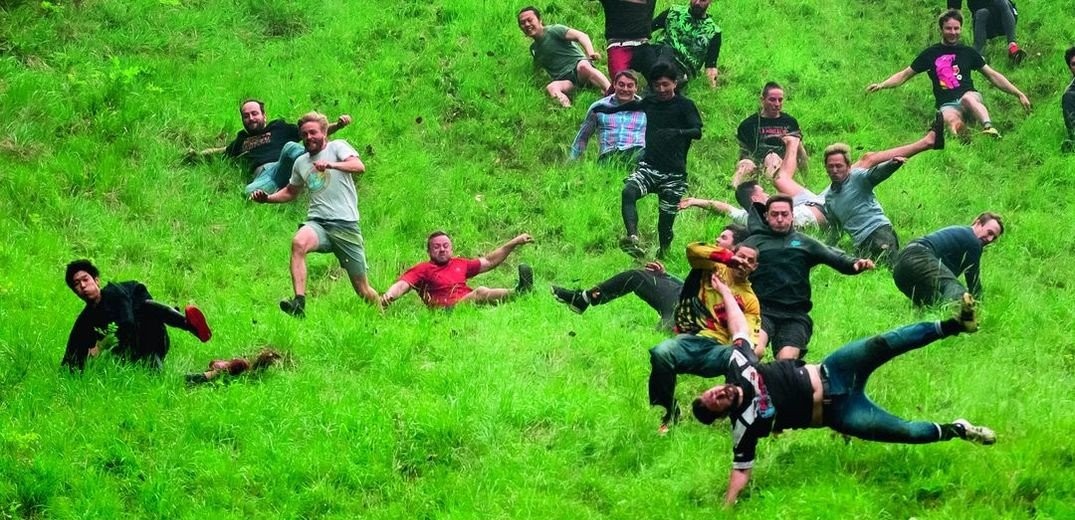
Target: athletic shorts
(957, 105)
(573, 75)
(344, 239)
(787, 329)
(670, 187)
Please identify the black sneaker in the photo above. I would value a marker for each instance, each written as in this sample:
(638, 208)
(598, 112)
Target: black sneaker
(630, 245)
(293, 307)
(196, 379)
(526, 279)
(573, 299)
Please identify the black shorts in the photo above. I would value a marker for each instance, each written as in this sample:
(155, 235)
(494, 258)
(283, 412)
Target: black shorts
(787, 329)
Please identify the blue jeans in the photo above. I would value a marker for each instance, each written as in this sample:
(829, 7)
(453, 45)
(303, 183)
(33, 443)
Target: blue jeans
(275, 175)
(683, 354)
(849, 410)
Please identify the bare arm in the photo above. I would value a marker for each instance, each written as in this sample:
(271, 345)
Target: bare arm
(737, 321)
(736, 482)
(342, 122)
(1002, 83)
(576, 35)
(352, 165)
(394, 292)
(498, 255)
(893, 81)
(287, 194)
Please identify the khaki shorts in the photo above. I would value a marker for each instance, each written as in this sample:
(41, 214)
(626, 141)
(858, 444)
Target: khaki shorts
(344, 239)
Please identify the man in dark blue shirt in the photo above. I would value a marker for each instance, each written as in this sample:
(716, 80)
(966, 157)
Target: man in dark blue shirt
(928, 269)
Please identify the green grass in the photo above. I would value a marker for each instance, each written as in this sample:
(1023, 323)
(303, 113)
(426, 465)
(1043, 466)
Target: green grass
(520, 411)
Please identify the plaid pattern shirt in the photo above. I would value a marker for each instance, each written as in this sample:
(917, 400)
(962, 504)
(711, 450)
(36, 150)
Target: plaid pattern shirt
(619, 131)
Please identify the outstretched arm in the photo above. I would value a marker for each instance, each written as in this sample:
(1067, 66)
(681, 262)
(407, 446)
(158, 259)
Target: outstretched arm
(893, 81)
(394, 292)
(576, 35)
(737, 321)
(343, 121)
(287, 194)
(498, 255)
(1002, 83)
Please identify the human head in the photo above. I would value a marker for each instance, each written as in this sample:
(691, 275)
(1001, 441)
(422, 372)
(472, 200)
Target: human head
(439, 247)
(731, 235)
(252, 111)
(699, 7)
(83, 278)
(838, 161)
(663, 79)
(988, 227)
(625, 85)
(1069, 60)
(313, 129)
(951, 25)
(715, 403)
(778, 213)
(747, 258)
(529, 19)
(772, 99)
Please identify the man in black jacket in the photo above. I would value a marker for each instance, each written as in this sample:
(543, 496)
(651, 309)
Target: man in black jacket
(782, 280)
(128, 310)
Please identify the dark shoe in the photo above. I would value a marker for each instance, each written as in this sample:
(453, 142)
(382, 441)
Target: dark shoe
(1068, 146)
(526, 279)
(976, 434)
(662, 253)
(196, 379)
(938, 131)
(1015, 54)
(630, 245)
(196, 320)
(293, 307)
(573, 299)
(968, 315)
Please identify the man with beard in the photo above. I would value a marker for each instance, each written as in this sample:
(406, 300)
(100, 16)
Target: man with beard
(267, 149)
(442, 281)
(328, 169)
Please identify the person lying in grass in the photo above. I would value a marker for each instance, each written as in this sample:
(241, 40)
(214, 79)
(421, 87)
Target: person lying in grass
(251, 366)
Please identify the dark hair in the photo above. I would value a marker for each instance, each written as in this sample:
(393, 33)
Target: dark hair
(770, 86)
(629, 74)
(261, 105)
(985, 216)
(529, 8)
(435, 234)
(663, 70)
(1068, 55)
(951, 14)
(702, 413)
(739, 232)
(80, 265)
(778, 198)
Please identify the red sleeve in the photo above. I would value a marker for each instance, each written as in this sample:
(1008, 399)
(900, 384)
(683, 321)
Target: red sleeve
(416, 274)
(474, 267)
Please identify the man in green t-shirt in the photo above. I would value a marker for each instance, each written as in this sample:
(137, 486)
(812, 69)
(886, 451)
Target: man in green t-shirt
(556, 49)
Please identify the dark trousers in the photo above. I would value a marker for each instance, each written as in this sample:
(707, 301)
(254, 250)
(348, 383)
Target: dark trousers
(683, 354)
(659, 290)
(881, 246)
(921, 276)
(150, 342)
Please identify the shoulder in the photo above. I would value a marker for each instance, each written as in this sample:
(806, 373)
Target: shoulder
(556, 30)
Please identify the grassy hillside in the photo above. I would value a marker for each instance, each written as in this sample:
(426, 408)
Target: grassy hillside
(520, 411)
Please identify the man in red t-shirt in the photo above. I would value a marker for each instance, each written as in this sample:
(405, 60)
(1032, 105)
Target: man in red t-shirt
(442, 281)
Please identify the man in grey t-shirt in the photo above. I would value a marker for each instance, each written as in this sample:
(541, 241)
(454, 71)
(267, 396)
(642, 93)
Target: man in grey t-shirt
(327, 169)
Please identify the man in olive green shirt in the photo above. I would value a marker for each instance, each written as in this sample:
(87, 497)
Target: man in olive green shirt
(556, 49)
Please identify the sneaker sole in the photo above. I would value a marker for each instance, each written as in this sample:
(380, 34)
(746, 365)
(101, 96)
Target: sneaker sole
(285, 305)
(977, 434)
(197, 320)
(967, 314)
(526, 279)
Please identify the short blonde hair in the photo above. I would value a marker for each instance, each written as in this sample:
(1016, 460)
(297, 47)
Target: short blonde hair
(838, 148)
(311, 117)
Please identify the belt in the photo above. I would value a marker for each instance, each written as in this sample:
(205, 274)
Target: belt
(628, 43)
(826, 399)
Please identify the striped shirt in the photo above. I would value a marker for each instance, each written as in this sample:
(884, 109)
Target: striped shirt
(619, 131)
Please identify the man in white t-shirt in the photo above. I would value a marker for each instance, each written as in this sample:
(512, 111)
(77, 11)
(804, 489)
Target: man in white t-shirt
(327, 170)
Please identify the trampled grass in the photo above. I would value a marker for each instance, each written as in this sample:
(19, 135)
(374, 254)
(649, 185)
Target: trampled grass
(520, 411)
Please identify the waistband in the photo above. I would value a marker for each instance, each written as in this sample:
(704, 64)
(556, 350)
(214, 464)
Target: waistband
(627, 43)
